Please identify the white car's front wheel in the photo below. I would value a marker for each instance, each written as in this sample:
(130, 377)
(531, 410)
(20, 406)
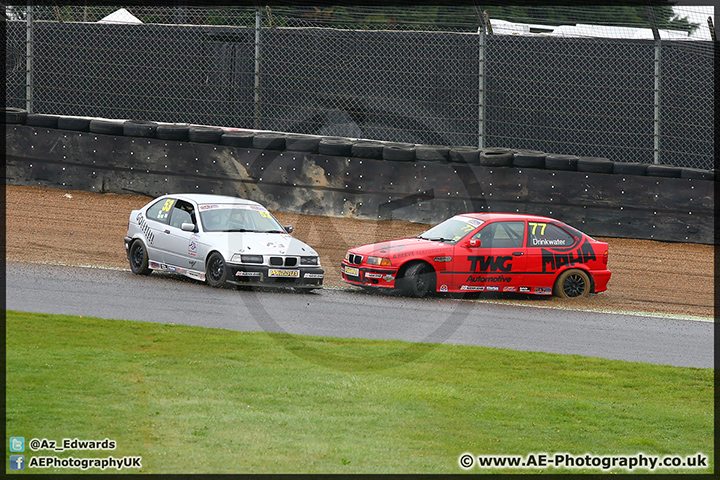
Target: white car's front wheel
(216, 272)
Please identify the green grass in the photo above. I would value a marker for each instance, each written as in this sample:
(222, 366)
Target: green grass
(197, 400)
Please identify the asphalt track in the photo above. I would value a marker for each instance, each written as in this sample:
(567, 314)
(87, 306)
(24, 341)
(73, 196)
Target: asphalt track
(166, 298)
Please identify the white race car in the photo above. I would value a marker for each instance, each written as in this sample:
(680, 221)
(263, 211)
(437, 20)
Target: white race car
(219, 239)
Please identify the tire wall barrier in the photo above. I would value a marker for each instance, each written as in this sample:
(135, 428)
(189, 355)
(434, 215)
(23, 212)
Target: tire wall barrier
(365, 180)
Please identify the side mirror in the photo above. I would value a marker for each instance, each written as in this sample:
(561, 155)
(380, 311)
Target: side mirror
(188, 227)
(474, 242)
(288, 228)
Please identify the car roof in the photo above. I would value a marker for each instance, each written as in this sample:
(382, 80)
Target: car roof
(201, 198)
(486, 217)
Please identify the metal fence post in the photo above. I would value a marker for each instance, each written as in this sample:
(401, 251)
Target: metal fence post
(656, 86)
(258, 27)
(481, 77)
(29, 44)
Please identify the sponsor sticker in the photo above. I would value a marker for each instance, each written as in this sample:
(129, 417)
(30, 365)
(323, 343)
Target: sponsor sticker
(442, 259)
(193, 245)
(373, 275)
(313, 275)
(492, 289)
(247, 274)
(525, 289)
(443, 288)
(510, 289)
(284, 273)
(388, 278)
(542, 291)
(473, 288)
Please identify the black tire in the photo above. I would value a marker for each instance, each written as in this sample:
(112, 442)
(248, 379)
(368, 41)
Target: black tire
(697, 173)
(269, 141)
(469, 155)
(630, 168)
(572, 284)
(41, 120)
(107, 127)
(664, 171)
(172, 132)
(15, 115)
(200, 134)
(216, 270)
(74, 123)
(302, 143)
(399, 152)
(139, 258)
(337, 147)
(418, 280)
(496, 157)
(556, 161)
(595, 165)
(237, 139)
(139, 128)
(368, 150)
(432, 153)
(529, 159)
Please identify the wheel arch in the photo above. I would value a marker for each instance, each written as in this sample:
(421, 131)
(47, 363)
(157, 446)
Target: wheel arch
(403, 267)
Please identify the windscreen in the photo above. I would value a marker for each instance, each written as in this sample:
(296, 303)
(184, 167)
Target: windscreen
(238, 218)
(452, 229)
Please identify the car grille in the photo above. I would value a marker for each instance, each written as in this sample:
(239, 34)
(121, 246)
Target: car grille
(283, 261)
(355, 259)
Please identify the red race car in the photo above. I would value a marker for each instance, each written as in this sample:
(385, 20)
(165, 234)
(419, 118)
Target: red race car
(485, 252)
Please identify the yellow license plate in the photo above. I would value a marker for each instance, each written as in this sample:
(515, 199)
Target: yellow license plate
(284, 273)
(352, 271)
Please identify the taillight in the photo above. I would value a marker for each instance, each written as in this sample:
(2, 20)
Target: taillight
(605, 257)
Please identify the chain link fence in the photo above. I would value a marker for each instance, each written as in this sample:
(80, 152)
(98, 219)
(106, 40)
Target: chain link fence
(634, 84)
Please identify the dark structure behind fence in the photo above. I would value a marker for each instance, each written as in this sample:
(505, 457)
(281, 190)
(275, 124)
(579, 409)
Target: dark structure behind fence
(392, 181)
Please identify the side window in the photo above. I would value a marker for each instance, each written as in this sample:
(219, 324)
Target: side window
(501, 235)
(548, 235)
(160, 211)
(183, 212)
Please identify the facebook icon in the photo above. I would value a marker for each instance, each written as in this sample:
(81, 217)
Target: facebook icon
(17, 462)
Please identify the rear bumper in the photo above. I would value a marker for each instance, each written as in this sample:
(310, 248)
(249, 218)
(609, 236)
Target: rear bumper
(601, 280)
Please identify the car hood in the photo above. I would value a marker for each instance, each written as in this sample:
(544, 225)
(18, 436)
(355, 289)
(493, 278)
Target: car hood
(393, 247)
(258, 244)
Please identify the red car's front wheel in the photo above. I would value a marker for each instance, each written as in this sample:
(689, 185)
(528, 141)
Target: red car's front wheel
(418, 280)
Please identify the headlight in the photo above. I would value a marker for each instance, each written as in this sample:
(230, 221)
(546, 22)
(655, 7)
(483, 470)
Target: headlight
(385, 262)
(309, 260)
(248, 258)
(347, 256)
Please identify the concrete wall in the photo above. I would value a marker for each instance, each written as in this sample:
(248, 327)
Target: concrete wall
(601, 204)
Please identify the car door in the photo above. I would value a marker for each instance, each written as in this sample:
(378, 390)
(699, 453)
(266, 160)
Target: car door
(491, 260)
(180, 246)
(549, 249)
(154, 226)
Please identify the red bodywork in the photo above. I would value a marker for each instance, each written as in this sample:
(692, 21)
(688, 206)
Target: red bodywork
(526, 255)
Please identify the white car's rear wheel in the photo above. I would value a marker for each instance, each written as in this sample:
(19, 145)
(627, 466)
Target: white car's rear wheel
(139, 258)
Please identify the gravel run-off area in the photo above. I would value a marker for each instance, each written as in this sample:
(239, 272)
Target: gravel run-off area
(46, 225)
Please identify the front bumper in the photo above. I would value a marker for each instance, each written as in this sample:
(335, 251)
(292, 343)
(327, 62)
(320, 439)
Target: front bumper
(368, 277)
(301, 277)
